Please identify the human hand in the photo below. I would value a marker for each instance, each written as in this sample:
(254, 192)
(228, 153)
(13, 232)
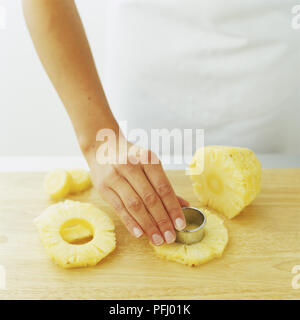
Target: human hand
(139, 191)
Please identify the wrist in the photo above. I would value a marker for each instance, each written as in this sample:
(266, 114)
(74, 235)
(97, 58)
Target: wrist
(89, 144)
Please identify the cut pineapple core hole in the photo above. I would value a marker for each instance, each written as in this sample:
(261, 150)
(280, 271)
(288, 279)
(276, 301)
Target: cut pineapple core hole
(76, 234)
(230, 179)
(211, 246)
(77, 231)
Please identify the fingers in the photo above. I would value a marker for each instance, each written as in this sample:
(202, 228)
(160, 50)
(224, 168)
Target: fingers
(136, 177)
(115, 201)
(144, 199)
(134, 205)
(183, 202)
(162, 186)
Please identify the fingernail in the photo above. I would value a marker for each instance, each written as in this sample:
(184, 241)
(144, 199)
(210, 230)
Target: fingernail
(157, 239)
(137, 232)
(169, 237)
(180, 224)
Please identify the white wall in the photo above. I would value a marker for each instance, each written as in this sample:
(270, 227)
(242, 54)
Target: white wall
(33, 121)
(32, 118)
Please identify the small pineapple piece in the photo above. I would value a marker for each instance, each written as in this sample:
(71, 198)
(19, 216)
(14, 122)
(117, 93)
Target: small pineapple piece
(76, 234)
(211, 246)
(230, 179)
(57, 184)
(56, 219)
(81, 180)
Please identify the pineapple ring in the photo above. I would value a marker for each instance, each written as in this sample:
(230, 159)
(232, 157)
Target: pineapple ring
(57, 184)
(226, 179)
(211, 246)
(81, 180)
(56, 219)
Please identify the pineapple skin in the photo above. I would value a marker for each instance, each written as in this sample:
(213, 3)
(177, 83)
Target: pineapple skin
(81, 180)
(211, 246)
(230, 179)
(68, 255)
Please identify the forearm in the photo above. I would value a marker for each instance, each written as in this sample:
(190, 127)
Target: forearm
(61, 43)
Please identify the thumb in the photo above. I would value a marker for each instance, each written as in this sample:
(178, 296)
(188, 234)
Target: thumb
(183, 202)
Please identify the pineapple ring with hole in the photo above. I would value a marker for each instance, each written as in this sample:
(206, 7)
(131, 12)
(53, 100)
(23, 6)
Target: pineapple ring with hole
(57, 218)
(81, 180)
(57, 184)
(226, 179)
(211, 246)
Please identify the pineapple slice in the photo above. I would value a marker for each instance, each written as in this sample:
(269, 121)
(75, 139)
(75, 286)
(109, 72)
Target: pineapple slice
(211, 246)
(54, 226)
(57, 184)
(81, 180)
(226, 179)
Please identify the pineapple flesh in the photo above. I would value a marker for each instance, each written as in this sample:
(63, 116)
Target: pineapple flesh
(57, 184)
(226, 179)
(81, 180)
(211, 246)
(76, 234)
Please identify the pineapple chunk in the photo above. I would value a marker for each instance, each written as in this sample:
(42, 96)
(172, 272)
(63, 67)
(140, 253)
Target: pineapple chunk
(81, 180)
(77, 233)
(54, 226)
(230, 179)
(57, 184)
(211, 246)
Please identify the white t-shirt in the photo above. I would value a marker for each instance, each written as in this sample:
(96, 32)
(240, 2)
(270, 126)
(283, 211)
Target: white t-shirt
(229, 67)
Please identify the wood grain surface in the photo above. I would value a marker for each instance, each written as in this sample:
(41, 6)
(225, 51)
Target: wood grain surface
(264, 246)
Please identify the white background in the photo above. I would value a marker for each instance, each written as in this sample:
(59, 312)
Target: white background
(33, 121)
(32, 118)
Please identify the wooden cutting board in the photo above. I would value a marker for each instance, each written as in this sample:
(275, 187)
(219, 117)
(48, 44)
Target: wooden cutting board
(264, 246)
